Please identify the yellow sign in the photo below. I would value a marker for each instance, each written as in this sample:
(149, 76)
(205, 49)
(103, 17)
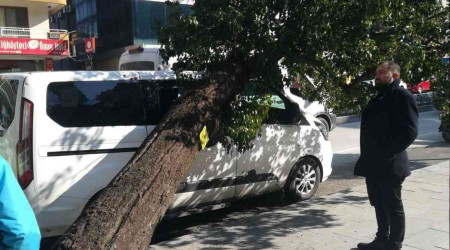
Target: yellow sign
(348, 79)
(204, 137)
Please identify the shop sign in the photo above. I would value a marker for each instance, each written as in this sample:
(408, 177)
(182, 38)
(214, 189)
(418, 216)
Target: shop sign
(89, 45)
(24, 46)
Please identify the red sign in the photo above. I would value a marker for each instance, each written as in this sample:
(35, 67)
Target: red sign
(26, 46)
(89, 45)
(48, 64)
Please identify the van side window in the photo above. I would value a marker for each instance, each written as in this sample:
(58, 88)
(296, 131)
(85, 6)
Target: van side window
(8, 93)
(281, 111)
(159, 96)
(95, 103)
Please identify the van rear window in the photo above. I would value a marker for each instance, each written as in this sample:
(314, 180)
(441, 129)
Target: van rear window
(142, 65)
(8, 93)
(95, 103)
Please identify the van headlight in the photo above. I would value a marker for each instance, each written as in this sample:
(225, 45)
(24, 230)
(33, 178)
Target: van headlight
(323, 129)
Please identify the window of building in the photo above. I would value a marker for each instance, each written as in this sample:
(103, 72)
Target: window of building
(149, 17)
(13, 17)
(86, 14)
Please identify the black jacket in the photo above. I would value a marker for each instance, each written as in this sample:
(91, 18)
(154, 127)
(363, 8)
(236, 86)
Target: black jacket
(388, 127)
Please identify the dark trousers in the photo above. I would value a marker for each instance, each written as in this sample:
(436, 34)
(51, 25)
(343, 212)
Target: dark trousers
(386, 196)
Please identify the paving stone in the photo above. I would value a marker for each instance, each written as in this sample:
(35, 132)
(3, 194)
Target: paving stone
(427, 239)
(444, 245)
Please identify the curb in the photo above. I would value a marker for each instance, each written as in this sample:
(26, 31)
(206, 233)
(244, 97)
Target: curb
(347, 119)
(356, 118)
(426, 108)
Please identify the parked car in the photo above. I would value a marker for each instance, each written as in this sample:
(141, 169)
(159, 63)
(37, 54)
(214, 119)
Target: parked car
(403, 84)
(69, 133)
(421, 87)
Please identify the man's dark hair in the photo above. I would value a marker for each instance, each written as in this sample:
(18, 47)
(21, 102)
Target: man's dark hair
(393, 66)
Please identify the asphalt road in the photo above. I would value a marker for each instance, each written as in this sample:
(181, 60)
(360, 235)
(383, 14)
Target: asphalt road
(428, 149)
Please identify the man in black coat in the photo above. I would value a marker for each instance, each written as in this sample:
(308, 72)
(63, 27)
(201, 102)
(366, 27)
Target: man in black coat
(388, 127)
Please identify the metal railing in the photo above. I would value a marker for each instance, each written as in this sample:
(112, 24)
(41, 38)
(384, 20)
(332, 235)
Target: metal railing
(32, 33)
(14, 32)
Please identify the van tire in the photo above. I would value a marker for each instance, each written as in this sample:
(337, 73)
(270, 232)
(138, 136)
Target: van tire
(303, 181)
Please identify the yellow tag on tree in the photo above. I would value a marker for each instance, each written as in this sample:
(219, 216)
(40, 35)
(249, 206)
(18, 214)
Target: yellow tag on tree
(204, 137)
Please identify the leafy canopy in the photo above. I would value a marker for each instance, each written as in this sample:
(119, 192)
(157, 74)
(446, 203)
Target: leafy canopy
(329, 41)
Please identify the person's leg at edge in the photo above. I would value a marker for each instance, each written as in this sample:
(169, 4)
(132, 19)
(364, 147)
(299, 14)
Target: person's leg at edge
(382, 216)
(383, 222)
(394, 206)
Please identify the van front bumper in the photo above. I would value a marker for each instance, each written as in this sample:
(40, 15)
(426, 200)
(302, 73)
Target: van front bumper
(327, 159)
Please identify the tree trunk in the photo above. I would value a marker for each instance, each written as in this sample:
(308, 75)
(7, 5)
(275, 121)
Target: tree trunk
(126, 212)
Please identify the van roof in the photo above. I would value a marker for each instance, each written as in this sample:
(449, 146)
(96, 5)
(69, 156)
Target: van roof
(76, 75)
(102, 75)
(146, 48)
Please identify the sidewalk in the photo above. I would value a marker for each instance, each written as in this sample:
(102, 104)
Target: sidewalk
(337, 221)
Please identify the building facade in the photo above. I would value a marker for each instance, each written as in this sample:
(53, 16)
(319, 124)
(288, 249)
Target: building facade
(115, 24)
(26, 41)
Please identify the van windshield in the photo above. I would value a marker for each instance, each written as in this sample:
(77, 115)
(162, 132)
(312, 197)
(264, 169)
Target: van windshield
(140, 65)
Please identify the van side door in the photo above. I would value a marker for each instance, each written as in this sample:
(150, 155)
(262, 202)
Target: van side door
(87, 132)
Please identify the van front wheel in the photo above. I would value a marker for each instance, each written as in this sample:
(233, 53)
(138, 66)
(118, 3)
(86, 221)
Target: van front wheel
(303, 180)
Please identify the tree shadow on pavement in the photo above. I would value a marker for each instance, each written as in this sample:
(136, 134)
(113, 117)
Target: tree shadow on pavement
(256, 222)
(259, 221)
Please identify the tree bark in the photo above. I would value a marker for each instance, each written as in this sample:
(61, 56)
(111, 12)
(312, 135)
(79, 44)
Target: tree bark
(126, 212)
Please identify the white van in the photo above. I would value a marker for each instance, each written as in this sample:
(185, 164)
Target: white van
(143, 58)
(67, 134)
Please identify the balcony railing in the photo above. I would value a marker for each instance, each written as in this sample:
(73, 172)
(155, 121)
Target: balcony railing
(14, 32)
(33, 33)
